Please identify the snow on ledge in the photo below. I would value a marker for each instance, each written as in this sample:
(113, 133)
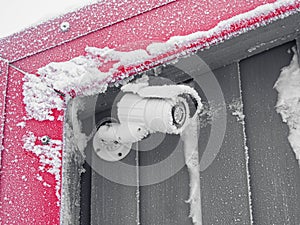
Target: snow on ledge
(288, 104)
(39, 98)
(84, 75)
(139, 56)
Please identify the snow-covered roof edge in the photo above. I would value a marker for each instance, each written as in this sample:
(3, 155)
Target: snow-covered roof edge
(88, 75)
(83, 76)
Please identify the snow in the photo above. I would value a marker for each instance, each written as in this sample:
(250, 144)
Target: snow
(77, 140)
(39, 98)
(136, 86)
(49, 158)
(19, 15)
(83, 74)
(288, 103)
(176, 42)
(78, 72)
(21, 124)
(123, 58)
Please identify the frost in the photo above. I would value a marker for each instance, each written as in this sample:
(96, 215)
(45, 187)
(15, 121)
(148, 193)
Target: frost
(39, 98)
(39, 177)
(24, 178)
(209, 112)
(76, 106)
(34, 12)
(49, 158)
(123, 58)
(21, 124)
(190, 138)
(136, 86)
(236, 108)
(71, 75)
(246, 149)
(181, 41)
(71, 173)
(288, 103)
(84, 76)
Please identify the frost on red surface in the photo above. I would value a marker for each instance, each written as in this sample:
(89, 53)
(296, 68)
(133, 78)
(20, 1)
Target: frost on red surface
(25, 199)
(90, 72)
(3, 81)
(84, 21)
(167, 21)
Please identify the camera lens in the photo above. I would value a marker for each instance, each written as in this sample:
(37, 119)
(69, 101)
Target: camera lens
(179, 114)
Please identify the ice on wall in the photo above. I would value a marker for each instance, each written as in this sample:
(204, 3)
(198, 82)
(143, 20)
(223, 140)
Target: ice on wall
(288, 103)
(190, 138)
(49, 157)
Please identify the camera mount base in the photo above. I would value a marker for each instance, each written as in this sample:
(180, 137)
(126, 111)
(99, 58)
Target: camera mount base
(111, 151)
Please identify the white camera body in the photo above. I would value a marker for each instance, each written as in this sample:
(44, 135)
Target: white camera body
(144, 110)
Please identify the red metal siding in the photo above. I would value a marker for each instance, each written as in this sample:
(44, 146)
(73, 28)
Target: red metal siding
(3, 83)
(24, 199)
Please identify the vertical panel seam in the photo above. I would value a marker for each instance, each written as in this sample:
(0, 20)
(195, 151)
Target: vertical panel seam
(298, 48)
(245, 146)
(138, 203)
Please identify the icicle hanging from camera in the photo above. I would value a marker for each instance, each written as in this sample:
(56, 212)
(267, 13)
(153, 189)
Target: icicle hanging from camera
(190, 138)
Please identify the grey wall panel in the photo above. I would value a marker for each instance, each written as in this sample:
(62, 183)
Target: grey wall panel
(113, 203)
(275, 175)
(164, 202)
(224, 186)
(298, 47)
(252, 42)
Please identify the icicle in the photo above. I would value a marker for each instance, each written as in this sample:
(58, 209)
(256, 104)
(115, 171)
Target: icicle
(190, 138)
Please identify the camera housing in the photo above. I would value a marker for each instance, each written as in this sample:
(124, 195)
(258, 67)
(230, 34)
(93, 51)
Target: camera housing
(143, 110)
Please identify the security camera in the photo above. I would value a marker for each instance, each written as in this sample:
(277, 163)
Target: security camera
(143, 110)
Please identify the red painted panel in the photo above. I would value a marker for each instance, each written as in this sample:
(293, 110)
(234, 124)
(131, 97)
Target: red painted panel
(3, 81)
(167, 21)
(82, 22)
(24, 198)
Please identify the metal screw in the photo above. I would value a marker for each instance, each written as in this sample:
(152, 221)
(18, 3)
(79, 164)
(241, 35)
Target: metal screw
(65, 26)
(45, 140)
